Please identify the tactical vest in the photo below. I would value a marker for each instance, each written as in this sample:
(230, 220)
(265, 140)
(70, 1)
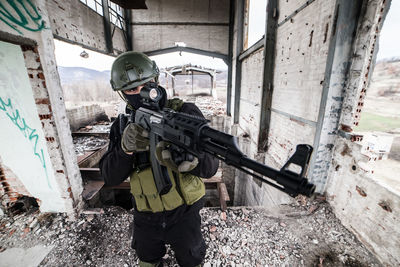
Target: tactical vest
(186, 188)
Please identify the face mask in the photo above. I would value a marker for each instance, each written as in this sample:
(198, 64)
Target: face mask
(134, 100)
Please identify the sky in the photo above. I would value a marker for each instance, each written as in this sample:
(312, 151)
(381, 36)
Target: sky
(68, 55)
(257, 17)
(389, 40)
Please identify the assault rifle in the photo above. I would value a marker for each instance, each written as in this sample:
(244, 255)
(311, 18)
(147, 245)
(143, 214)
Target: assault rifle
(192, 134)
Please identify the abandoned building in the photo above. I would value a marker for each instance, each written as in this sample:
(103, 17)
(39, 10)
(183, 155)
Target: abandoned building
(304, 80)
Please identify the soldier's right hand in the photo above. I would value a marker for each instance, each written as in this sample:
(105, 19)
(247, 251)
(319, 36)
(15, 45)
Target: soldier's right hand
(134, 139)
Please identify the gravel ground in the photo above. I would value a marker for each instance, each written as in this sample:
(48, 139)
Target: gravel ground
(301, 234)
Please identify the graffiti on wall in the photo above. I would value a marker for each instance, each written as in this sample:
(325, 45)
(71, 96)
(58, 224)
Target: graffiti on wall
(21, 14)
(29, 133)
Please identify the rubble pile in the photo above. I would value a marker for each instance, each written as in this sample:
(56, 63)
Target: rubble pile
(208, 105)
(91, 143)
(88, 143)
(301, 234)
(99, 127)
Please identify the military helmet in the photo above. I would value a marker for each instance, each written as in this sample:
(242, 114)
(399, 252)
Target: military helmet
(132, 69)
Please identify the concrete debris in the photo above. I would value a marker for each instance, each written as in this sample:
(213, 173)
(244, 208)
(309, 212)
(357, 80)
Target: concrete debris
(99, 127)
(93, 211)
(24, 257)
(88, 143)
(240, 236)
(208, 105)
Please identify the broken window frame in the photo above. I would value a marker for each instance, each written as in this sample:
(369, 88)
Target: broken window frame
(116, 15)
(98, 6)
(116, 12)
(249, 26)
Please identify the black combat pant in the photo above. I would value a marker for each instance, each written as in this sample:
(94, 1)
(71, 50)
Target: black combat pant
(182, 231)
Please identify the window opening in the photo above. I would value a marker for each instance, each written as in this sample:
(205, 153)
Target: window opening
(116, 12)
(256, 21)
(192, 76)
(116, 15)
(95, 5)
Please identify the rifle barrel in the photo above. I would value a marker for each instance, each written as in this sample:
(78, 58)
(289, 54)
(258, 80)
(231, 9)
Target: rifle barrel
(225, 146)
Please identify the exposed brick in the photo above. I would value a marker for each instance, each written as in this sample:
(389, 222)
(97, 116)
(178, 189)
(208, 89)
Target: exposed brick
(40, 75)
(45, 116)
(42, 101)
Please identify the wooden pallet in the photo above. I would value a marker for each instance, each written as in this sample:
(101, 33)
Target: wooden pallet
(95, 183)
(217, 182)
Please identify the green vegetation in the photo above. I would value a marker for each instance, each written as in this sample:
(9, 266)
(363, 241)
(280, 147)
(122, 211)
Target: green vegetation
(374, 122)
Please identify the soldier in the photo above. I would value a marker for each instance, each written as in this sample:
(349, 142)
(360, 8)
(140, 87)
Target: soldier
(172, 218)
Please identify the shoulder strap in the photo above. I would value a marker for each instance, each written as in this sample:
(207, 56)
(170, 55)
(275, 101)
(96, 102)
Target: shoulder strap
(175, 104)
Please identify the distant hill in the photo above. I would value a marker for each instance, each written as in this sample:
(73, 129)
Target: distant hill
(75, 74)
(385, 80)
(82, 84)
(383, 95)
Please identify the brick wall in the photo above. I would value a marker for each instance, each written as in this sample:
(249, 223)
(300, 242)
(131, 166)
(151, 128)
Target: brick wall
(11, 187)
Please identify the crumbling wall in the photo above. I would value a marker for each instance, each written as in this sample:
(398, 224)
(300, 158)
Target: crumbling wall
(365, 206)
(73, 21)
(199, 24)
(302, 47)
(302, 44)
(37, 144)
(84, 115)
(11, 188)
(24, 150)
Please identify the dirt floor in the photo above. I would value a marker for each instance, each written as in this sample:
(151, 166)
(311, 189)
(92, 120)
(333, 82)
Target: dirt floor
(301, 234)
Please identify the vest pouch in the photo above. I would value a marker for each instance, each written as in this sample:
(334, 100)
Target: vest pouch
(150, 190)
(192, 187)
(172, 199)
(136, 190)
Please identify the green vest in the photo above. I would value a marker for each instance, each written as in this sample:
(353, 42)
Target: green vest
(186, 188)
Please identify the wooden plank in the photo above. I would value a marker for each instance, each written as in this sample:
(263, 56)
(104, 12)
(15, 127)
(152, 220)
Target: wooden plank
(214, 179)
(84, 156)
(91, 189)
(97, 134)
(123, 185)
(223, 192)
(222, 201)
(91, 173)
(93, 159)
